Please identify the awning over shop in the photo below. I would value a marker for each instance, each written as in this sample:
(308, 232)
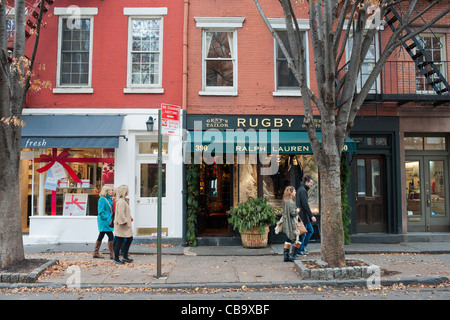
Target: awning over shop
(239, 141)
(71, 131)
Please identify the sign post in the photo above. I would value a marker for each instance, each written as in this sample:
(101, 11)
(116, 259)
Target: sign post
(168, 124)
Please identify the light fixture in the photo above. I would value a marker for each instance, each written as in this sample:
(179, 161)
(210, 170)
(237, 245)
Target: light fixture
(149, 124)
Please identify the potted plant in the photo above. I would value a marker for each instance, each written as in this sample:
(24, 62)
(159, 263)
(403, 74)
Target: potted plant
(252, 218)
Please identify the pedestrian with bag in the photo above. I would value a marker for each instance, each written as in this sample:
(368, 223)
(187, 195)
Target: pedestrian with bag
(290, 219)
(305, 212)
(105, 209)
(122, 226)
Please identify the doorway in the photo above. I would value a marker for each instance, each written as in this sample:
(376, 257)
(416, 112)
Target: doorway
(427, 193)
(215, 200)
(370, 193)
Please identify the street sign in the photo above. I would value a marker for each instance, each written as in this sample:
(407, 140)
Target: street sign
(170, 120)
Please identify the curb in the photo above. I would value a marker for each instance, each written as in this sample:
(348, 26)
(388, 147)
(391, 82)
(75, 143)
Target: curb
(31, 277)
(431, 280)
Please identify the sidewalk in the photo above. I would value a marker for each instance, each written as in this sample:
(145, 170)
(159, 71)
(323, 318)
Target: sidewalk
(232, 266)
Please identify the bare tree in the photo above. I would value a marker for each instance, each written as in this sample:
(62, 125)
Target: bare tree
(332, 22)
(15, 75)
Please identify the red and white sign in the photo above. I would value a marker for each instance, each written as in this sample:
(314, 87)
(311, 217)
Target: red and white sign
(170, 120)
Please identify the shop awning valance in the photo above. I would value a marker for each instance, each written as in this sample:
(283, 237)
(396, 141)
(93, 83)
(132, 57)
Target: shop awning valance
(71, 131)
(255, 142)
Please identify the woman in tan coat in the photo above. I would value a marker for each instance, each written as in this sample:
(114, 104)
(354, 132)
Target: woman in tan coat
(290, 218)
(122, 225)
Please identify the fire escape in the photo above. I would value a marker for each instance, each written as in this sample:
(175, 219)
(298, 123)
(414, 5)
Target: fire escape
(422, 80)
(33, 8)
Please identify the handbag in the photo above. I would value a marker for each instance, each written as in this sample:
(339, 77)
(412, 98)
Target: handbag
(279, 227)
(111, 224)
(301, 227)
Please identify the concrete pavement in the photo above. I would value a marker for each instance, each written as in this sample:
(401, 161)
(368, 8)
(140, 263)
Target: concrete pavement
(232, 266)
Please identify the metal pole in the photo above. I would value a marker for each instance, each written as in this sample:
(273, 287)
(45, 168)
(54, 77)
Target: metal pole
(158, 262)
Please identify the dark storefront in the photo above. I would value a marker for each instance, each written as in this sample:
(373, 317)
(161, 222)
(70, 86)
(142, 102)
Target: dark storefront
(232, 152)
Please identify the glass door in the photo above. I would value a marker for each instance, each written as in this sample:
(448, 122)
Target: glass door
(427, 193)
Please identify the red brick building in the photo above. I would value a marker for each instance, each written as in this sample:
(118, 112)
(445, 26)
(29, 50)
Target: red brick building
(237, 79)
(111, 65)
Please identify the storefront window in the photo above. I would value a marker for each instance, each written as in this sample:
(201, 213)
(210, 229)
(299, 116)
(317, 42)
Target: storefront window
(413, 143)
(425, 143)
(291, 169)
(434, 143)
(412, 169)
(67, 181)
(248, 187)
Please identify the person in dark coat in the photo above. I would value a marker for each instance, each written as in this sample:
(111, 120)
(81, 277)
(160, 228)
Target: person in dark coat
(305, 212)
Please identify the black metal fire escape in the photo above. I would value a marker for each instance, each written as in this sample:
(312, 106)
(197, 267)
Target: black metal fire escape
(417, 50)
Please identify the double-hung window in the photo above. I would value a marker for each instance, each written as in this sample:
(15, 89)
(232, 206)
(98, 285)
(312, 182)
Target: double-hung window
(74, 66)
(367, 66)
(285, 82)
(145, 47)
(219, 54)
(433, 45)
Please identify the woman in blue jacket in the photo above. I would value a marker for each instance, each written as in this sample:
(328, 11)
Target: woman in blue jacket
(105, 211)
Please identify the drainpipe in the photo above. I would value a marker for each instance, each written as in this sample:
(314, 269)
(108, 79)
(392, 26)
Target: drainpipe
(183, 107)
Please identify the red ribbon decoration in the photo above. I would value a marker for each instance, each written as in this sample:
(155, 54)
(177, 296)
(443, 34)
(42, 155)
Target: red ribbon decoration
(61, 158)
(75, 202)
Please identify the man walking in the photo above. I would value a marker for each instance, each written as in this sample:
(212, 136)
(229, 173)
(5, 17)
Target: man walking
(305, 212)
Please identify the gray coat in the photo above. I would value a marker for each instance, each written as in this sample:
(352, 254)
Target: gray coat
(290, 219)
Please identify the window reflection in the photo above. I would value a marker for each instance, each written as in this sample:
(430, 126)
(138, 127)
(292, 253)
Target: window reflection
(412, 169)
(149, 180)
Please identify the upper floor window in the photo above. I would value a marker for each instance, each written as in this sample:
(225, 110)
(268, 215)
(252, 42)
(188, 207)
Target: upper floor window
(74, 66)
(219, 54)
(367, 65)
(145, 44)
(433, 45)
(285, 82)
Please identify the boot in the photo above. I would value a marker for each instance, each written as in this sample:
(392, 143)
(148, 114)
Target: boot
(293, 255)
(96, 249)
(111, 249)
(287, 248)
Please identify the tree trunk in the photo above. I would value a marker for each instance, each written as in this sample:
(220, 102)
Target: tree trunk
(11, 243)
(332, 241)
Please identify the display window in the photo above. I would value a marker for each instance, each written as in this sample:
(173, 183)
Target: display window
(66, 182)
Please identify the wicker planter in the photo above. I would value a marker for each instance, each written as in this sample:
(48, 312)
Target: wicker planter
(253, 239)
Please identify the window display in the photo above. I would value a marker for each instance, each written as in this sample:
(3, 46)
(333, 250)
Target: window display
(67, 181)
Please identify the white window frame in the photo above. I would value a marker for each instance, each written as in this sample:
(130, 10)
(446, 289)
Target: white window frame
(376, 86)
(144, 13)
(280, 24)
(220, 24)
(67, 13)
(442, 69)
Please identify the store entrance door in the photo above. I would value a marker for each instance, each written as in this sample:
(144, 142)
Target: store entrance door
(215, 200)
(427, 193)
(147, 197)
(370, 194)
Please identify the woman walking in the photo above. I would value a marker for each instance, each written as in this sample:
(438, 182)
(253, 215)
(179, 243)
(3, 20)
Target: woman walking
(122, 225)
(290, 218)
(105, 210)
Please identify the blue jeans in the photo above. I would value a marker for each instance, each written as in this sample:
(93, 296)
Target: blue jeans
(306, 236)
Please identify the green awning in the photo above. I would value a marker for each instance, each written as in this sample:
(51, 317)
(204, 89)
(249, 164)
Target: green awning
(252, 141)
